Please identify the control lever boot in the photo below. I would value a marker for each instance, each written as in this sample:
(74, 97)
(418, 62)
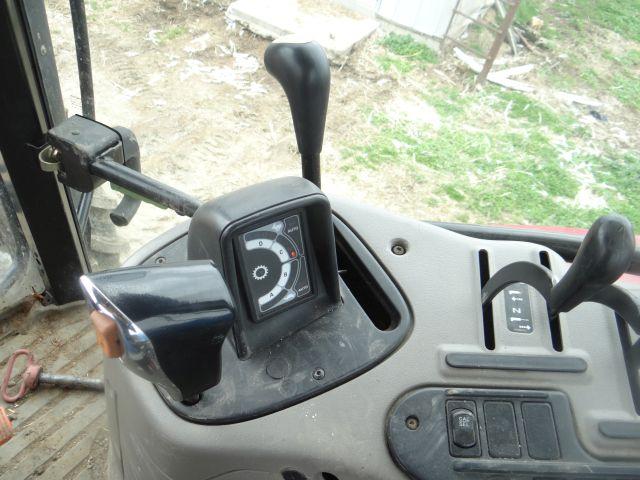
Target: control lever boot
(604, 255)
(171, 322)
(302, 69)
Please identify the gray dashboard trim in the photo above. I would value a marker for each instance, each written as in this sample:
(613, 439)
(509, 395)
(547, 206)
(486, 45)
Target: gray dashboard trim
(620, 429)
(535, 363)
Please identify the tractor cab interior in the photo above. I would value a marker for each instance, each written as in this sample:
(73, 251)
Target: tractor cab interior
(281, 333)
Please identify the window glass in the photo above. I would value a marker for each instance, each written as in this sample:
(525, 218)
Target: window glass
(407, 129)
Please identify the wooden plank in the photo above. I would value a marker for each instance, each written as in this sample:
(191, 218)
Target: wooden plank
(474, 65)
(32, 340)
(71, 458)
(36, 429)
(57, 440)
(67, 355)
(84, 475)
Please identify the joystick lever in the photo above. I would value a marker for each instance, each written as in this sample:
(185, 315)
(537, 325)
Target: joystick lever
(604, 255)
(302, 69)
(170, 322)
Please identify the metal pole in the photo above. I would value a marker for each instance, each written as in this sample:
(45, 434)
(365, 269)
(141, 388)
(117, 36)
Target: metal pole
(497, 42)
(145, 187)
(311, 168)
(83, 54)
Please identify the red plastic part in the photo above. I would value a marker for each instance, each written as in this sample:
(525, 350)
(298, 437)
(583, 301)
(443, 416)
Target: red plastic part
(6, 428)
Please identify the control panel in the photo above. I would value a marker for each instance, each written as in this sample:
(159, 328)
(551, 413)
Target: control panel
(274, 243)
(491, 433)
(274, 266)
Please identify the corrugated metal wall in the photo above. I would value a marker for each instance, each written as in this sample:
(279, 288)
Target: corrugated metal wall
(430, 17)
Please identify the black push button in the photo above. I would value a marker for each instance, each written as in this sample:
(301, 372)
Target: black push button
(462, 422)
(463, 428)
(540, 431)
(502, 432)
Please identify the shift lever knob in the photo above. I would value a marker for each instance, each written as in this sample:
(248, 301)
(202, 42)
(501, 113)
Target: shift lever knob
(604, 255)
(302, 69)
(171, 319)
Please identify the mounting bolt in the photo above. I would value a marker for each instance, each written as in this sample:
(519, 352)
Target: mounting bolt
(398, 249)
(318, 374)
(161, 260)
(412, 423)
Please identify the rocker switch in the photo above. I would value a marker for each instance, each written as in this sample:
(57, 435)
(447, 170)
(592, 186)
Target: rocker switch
(462, 423)
(463, 428)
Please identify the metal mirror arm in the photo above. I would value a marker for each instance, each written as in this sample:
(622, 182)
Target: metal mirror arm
(86, 153)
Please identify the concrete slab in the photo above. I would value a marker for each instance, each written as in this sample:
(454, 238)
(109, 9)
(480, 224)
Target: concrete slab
(336, 28)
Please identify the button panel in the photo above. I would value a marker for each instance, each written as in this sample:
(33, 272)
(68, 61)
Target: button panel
(502, 428)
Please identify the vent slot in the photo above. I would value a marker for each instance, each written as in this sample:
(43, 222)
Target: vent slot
(631, 353)
(554, 319)
(487, 311)
(365, 289)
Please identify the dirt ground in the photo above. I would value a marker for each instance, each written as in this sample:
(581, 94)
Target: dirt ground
(210, 119)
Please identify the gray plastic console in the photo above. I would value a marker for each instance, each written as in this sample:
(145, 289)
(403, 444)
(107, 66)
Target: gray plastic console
(343, 432)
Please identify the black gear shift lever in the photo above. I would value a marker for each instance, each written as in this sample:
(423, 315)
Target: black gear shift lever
(302, 69)
(604, 255)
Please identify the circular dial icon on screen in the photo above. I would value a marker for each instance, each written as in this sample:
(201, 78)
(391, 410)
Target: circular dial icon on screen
(276, 269)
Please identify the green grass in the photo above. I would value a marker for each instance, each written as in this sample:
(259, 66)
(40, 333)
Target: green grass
(600, 70)
(389, 63)
(529, 168)
(498, 174)
(516, 173)
(620, 16)
(622, 172)
(527, 10)
(172, 33)
(404, 53)
(524, 107)
(626, 88)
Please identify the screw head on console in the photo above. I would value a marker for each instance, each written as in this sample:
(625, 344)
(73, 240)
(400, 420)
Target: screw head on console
(398, 249)
(318, 374)
(412, 423)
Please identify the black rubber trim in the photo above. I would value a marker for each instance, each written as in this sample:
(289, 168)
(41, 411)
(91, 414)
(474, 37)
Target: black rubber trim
(563, 244)
(535, 363)
(620, 429)
(564, 470)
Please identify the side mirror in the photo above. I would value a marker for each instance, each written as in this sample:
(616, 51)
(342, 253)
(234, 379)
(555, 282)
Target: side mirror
(171, 322)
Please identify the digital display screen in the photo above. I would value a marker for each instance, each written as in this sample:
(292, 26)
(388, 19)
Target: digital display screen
(275, 266)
